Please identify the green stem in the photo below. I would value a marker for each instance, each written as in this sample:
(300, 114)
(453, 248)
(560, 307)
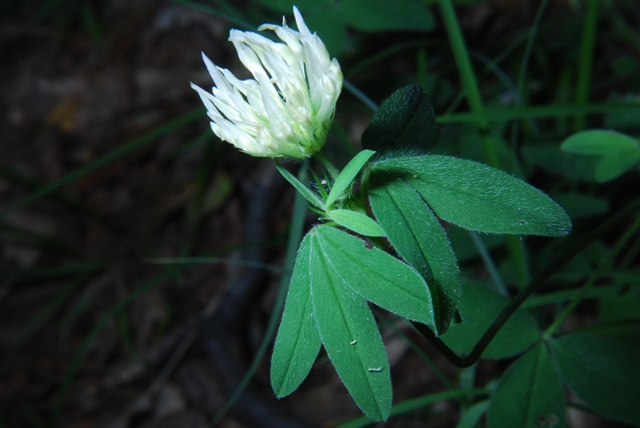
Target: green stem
(604, 263)
(517, 301)
(586, 59)
(326, 163)
(527, 52)
(470, 85)
(488, 263)
(467, 75)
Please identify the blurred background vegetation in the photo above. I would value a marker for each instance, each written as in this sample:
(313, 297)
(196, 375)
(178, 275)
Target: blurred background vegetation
(141, 257)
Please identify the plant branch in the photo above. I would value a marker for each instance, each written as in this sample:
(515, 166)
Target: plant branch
(604, 263)
(571, 251)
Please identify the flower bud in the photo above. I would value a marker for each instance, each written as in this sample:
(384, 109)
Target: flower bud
(288, 108)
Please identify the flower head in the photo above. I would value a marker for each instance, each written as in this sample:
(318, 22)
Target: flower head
(288, 108)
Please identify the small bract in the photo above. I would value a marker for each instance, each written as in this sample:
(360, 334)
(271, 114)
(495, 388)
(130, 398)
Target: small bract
(288, 108)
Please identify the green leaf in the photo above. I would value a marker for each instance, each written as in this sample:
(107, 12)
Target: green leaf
(374, 274)
(347, 175)
(349, 333)
(416, 234)
(403, 125)
(620, 152)
(477, 197)
(626, 334)
(603, 372)
(298, 342)
(529, 394)
(616, 164)
(357, 222)
(308, 194)
(479, 307)
(599, 143)
(382, 15)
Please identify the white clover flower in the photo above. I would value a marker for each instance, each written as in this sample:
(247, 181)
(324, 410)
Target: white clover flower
(289, 107)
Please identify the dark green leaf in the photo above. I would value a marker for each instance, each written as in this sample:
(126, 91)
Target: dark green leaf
(403, 125)
(529, 394)
(416, 234)
(479, 307)
(381, 15)
(374, 274)
(349, 333)
(297, 343)
(603, 372)
(357, 222)
(477, 197)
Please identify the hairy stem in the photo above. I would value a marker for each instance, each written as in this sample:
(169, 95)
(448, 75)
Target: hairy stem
(326, 163)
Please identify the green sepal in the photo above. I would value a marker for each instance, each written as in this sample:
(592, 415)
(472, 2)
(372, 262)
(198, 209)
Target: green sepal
(308, 194)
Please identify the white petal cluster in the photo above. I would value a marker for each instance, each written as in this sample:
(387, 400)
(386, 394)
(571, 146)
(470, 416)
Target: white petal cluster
(288, 108)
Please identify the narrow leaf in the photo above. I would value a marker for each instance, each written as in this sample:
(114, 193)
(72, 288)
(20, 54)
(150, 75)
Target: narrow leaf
(357, 222)
(403, 125)
(603, 372)
(347, 175)
(416, 234)
(477, 197)
(599, 142)
(308, 194)
(350, 335)
(376, 275)
(298, 342)
(479, 307)
(529, 394)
